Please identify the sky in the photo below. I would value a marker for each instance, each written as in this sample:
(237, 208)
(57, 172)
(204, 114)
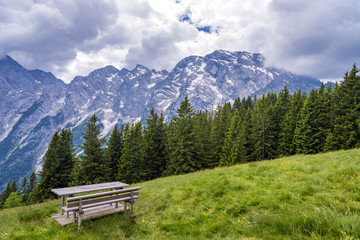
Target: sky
(74, 37)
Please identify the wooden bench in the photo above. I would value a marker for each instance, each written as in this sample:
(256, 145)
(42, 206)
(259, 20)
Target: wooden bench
(98, 202)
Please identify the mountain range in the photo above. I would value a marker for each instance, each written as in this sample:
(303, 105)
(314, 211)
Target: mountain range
(34, 104)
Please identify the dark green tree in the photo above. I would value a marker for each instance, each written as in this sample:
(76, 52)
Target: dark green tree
(48, 173)
(281, 108)
(346, 131)
(93, 166)
(131, 166)
(114, 151)
(183, 157)
(221, 125)
(67, 158)
(202, 128)
(57, 167)
(13, 187)
(155, 146)
(309, 135)
(288, 126)
(233, 150)
(7, 192)
(262, 135)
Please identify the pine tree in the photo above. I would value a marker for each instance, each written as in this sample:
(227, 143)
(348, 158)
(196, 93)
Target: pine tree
(24, 193)
(7, 192)
(288, 126)
(49, 170)
(57, 167)
(32, 183)
(114, 151)
(183, 157)
(346, 132)
(263, 137)
(309, 135)
(131, 167)
(202, 129)
(233, 150)
(66, 158)
(221, 124)
(155, 149)
(330, 143)
(249, 138)
(93, 167)
(13, 187)
(281, 108)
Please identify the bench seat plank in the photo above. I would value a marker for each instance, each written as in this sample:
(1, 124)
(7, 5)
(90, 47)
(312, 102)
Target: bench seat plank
(99, 203)
(86, 202)
(71, 199)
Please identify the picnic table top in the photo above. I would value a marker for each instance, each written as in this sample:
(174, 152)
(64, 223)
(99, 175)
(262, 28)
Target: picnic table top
(88, 188)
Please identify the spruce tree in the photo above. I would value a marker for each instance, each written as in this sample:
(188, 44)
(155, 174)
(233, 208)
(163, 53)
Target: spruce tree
(131, 167)
(233, 150)
(202, 128)
(7, 192)
(57, 167)
(262, 125)
(183, 157)
(13, 187)
(249, 138)
(67, 158)
(114, 151)
(49, 170)
(309, 134)
(24, 193)
(221, 124)
(288, 126)
(281, 108)
(92, 168)
(155, 146)
(32, 183)
(346, 132)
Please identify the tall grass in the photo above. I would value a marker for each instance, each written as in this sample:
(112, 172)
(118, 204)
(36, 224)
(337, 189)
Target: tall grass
(299, 197)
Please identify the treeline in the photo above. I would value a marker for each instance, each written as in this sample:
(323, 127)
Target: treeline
(268, 127)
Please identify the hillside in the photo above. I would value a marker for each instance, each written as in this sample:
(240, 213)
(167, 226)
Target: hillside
(298, 197)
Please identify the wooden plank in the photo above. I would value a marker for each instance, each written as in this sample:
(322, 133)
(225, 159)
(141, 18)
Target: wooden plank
(103, 199)
(72, 199)
(88, 214)
(88, 188)
(99, 203)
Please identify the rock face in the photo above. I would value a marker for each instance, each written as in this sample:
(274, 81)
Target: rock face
(34, 104)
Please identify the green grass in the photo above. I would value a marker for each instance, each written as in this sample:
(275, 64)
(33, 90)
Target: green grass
(299, 197)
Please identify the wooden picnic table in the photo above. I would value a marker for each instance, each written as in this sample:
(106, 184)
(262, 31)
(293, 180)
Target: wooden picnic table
(71, 191)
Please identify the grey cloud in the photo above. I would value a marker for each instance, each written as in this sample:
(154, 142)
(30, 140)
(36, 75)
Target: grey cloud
(49, 32)
(158, 49)
(320, 38)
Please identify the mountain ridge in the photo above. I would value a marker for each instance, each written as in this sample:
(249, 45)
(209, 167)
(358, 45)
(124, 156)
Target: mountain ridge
(35, 104)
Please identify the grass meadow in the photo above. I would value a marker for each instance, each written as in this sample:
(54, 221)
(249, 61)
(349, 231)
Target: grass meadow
(298, 197)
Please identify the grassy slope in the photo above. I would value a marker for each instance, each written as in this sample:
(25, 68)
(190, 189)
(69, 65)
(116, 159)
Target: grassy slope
(313, 196)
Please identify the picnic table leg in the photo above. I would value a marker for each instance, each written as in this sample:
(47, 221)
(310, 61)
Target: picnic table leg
(62, 204)
(79, 221)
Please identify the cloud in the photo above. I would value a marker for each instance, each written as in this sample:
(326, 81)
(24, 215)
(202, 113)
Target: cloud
(47, 33)
(319, 38)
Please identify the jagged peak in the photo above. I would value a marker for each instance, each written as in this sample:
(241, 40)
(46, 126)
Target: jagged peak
(185, 61)
(107, 70)
(9, 62)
